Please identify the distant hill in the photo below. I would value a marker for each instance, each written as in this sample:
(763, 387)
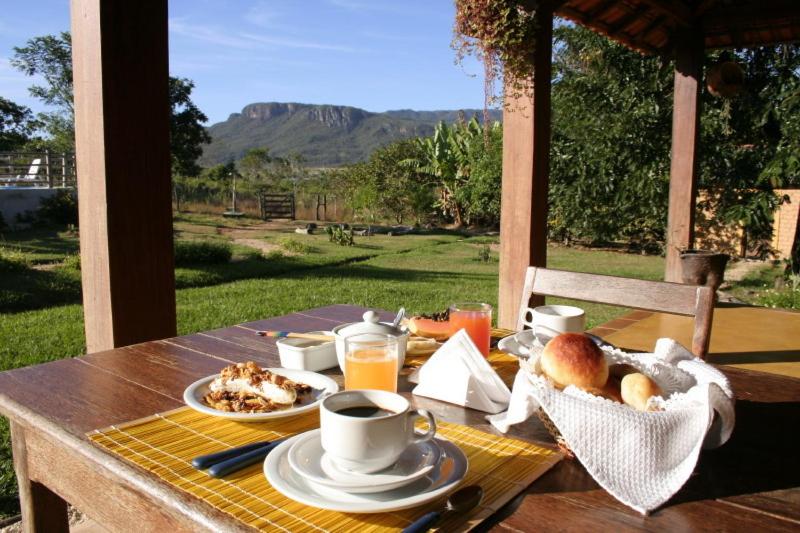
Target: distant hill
(326, 135)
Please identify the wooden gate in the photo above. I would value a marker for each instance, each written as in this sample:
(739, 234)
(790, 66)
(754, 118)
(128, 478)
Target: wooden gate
(276, 205)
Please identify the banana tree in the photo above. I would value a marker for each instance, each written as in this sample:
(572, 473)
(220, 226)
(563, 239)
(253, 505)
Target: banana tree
(446, 159)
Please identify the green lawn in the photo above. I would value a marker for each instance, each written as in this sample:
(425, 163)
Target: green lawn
(421, 272)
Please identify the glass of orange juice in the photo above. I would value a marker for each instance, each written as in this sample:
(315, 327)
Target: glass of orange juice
(370, 362)
(476, 318)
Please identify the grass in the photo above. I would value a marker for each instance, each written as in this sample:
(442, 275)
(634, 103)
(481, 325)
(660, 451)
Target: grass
(424, 273)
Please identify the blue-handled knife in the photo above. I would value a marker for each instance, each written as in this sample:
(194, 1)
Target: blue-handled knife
(238, 462)
(204, 461)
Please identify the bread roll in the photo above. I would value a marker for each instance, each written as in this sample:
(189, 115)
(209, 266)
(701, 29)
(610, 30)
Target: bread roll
(574, 359)
(620, 370)
(637, 389)
(609, 391)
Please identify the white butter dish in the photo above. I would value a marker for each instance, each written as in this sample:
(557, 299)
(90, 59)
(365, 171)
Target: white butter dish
(308, 354)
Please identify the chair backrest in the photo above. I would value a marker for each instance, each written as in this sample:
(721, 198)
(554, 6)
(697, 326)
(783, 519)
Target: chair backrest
(675, 298)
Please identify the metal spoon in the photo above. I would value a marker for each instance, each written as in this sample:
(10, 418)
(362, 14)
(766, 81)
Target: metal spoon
(400, 314)
(460, 501)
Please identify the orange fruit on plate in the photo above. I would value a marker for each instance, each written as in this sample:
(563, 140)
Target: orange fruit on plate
(435, 326)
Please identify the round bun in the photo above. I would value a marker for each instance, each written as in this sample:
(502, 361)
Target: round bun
(609, 391)
(574, 359)
(637, 388)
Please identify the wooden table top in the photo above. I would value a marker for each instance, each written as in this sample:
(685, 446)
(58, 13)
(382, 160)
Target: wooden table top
(754, 338)
(751, 482)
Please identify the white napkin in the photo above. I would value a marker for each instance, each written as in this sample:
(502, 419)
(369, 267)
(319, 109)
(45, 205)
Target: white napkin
(641, 459)
(458, 373)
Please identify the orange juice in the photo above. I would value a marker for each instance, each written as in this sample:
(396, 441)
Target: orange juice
(370, 368)
(478, 324)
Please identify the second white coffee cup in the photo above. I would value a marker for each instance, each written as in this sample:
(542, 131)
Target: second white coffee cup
(366, 430)
(552, 320)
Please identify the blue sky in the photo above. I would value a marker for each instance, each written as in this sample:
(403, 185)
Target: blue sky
(373, 54)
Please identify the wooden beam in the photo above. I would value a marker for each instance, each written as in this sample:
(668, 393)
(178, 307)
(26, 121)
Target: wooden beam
(702, 7)
(526, 169)
(685, 130)
(626, 20)
(763, 14)
(605, 29)
(675, 9)
(120, 70)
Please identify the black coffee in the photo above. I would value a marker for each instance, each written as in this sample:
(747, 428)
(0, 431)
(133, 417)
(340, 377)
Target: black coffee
(367, 411)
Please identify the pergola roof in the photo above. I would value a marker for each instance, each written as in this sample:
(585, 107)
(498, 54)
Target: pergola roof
(649, 26)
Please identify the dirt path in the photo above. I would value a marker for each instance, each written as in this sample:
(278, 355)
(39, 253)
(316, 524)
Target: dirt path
(740, 269)
(261, 245)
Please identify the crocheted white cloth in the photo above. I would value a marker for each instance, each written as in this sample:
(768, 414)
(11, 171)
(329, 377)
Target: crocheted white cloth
(640, 458)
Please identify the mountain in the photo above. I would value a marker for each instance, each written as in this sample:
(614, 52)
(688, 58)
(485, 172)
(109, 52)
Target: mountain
(326, 135)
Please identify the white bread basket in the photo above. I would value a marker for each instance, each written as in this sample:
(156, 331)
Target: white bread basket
(640, 458)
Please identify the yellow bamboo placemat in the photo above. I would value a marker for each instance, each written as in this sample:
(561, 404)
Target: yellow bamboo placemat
(165, 443)
(505, 365)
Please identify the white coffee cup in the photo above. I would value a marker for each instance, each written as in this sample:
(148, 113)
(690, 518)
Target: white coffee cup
(368, 444)
(552, 320)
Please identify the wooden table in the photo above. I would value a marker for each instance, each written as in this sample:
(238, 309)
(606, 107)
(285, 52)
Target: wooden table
(750, 483)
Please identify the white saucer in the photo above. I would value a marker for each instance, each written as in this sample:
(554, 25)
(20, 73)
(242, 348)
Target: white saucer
(442, 479)
(525, 343)
(321, 386)
(308, 459)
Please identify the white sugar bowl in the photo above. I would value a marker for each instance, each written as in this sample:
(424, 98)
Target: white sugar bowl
(370, 324)
(307, 354)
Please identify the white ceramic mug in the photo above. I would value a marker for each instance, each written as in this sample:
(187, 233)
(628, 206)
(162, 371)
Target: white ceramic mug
(552, 320)
(366, 445)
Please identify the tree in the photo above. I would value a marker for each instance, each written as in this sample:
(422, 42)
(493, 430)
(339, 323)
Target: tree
(611, 137)
(480, 195)
(187, 134)
(16, 125)
(612, 121)
(748, 143)
(263, 171)
(50, 56)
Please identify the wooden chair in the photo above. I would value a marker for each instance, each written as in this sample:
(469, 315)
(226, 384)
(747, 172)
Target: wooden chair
(675, 298)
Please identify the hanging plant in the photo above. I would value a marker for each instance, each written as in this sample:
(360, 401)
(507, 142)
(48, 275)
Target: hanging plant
(501, 34)
(725, 79)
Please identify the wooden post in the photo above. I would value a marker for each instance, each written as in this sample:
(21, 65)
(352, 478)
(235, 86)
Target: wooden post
(42, 510)
(526, 170)
(120, 72)
(685, 129)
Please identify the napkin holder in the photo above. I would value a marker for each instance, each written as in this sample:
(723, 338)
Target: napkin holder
(458, 373)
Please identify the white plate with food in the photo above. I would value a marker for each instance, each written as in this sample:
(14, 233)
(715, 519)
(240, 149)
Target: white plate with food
(249, 393)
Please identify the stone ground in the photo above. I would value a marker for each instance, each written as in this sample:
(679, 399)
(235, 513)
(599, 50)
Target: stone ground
(78, 523)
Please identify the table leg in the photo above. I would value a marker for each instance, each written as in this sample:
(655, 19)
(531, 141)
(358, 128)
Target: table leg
(42, 509)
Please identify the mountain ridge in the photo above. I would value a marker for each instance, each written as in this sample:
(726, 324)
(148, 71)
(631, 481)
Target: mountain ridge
(324, 134)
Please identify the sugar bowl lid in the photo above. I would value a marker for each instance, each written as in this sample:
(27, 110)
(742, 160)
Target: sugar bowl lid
(370, 324)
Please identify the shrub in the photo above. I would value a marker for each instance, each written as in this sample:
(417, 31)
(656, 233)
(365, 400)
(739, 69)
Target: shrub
(293, 245)
(485, 253)
(780, 298)
(340, 235)
(786, 298)
(274, 255)
(202, 253)
(60, 209)
(72, 261)
(13, 260)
